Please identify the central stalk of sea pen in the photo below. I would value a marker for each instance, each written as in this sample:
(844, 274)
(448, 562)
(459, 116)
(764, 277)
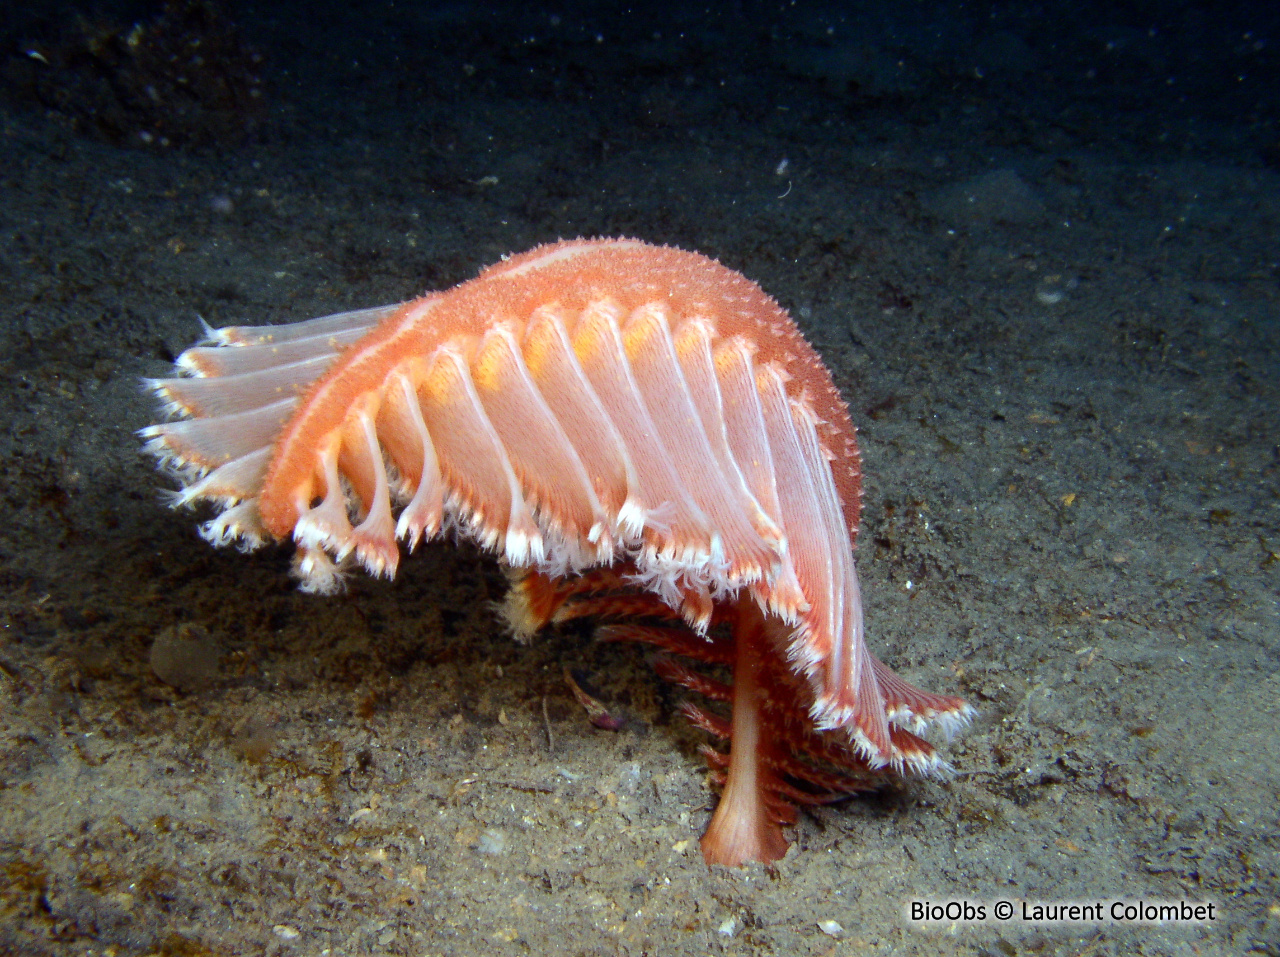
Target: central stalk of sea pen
(742, 828)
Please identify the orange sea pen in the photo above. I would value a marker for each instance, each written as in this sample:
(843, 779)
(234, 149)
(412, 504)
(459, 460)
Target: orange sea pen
(640, 434)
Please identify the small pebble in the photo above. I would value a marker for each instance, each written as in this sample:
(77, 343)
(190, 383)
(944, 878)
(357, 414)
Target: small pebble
(285, 932)
(728, 927)
(186, 657)
(630, 777)
(492, 842)
(1052, 290)
(831, 928)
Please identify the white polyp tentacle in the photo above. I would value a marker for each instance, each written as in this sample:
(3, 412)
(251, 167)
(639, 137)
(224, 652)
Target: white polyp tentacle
(375, 540)
(317, 573)
(521, 542)
(239, 524)
(424, 514)
(326, 525)
(502, 337)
